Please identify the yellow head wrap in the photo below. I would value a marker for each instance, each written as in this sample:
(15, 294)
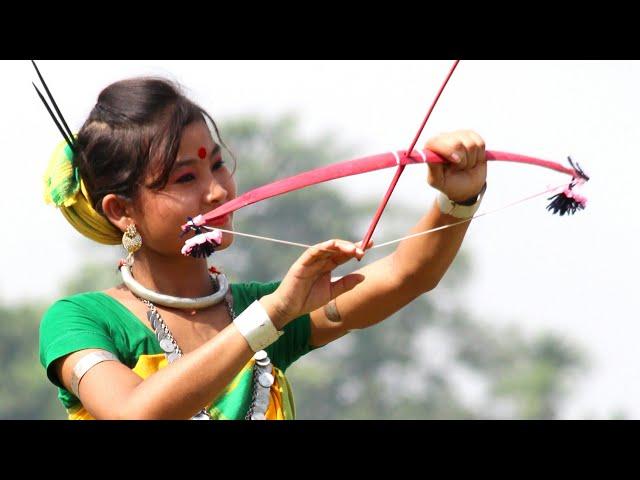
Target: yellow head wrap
(64, 188)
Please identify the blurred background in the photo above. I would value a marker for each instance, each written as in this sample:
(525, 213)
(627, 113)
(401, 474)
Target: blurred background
(536, 319)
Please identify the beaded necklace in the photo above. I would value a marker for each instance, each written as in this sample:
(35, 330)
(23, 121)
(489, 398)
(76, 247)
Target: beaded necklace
(262, 377)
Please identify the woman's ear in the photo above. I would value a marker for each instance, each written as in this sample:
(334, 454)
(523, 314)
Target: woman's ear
(118, 210)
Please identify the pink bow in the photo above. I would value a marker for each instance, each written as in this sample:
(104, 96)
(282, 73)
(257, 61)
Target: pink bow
(355, 167)
(400, 159)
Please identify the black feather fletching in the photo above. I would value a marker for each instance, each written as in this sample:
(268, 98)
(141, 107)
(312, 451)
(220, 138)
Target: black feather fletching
(569, 202)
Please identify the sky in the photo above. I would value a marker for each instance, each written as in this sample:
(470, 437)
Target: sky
(575, 276)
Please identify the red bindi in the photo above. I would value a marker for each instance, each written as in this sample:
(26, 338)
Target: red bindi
(202, 152)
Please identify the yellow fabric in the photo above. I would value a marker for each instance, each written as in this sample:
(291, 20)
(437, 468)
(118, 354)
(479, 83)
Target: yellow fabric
(79, 413)
(283, 394)
(74, 202)
(150, 364)
(146, 365)
(279, 404)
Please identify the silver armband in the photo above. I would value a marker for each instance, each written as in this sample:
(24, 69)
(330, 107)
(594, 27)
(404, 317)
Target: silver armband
(256, 327)
(85, 364)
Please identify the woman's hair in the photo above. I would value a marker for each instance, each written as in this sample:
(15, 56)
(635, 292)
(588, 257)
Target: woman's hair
(134, 129)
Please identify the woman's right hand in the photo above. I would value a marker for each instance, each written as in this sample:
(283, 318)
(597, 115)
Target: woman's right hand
(308, 286)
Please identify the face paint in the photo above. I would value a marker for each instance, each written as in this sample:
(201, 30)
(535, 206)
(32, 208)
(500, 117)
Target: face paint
(202, 152)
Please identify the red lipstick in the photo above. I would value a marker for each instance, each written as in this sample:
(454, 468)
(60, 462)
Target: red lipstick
(219, 221)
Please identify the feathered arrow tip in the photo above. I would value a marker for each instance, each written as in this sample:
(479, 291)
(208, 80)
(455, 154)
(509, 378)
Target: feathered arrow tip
(202, 244)
(568, 201)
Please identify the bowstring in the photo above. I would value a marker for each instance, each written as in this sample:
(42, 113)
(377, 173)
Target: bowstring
(426, 232)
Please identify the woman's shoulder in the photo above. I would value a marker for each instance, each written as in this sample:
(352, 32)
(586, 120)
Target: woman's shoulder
(76, 301)
(97, 307)
(70, 314)
(78, 322)
(92, 319)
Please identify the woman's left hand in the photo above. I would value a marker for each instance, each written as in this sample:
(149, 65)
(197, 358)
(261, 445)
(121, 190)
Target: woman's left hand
(466, 172)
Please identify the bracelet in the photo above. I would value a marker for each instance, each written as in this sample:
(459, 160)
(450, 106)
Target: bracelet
(466, 209)
(256, 327)
(85, 364)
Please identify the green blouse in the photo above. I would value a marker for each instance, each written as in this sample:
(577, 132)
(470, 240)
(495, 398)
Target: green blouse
(97, 320)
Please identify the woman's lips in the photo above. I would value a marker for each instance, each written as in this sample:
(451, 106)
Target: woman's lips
(220, 221)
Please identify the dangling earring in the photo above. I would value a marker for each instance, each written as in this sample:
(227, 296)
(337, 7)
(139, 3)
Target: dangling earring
(131, 241)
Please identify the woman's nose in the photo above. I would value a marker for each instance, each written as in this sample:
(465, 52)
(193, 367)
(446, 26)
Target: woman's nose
(216, 193)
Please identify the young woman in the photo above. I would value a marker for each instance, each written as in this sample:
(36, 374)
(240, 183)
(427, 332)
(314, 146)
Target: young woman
(174, 340)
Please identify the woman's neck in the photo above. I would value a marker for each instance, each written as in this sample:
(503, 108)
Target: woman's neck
(177, 276)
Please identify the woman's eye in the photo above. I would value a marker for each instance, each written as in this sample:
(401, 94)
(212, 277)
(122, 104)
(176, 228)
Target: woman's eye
(185, 178)
(219, 164)
(190, 176)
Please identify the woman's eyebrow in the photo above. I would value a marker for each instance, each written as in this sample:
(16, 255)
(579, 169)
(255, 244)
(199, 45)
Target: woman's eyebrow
(191, 160)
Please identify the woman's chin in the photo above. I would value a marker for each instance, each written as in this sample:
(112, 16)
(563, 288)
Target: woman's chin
(227, 241)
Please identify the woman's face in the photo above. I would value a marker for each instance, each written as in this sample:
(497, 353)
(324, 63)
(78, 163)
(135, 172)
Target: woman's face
(198, 183)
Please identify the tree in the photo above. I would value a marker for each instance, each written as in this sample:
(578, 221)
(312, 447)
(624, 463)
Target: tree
(25, 391)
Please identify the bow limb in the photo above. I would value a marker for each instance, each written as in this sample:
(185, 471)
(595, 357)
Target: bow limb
(356, 167)
(311, 177)
(517, 158)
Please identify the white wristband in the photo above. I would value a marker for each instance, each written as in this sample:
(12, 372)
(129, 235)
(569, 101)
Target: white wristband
(256, 327)
(449, 207)
(85, 364)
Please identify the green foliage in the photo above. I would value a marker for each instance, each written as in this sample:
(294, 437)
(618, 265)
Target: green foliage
(415, 365)
(25, 391)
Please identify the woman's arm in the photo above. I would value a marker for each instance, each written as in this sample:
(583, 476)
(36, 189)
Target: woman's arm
(419, 263)
(111, 390)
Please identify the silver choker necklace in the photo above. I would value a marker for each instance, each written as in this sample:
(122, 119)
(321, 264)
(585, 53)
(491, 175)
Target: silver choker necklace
(171, 301)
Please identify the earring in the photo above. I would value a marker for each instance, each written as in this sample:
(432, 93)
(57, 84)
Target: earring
(131, 241)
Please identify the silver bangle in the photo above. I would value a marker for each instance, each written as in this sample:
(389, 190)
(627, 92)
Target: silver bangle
(256, 327)
(85, 364)
(457, 210)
